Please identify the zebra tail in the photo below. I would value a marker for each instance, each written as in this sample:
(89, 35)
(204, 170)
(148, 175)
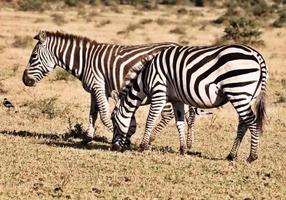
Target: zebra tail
(260, 109)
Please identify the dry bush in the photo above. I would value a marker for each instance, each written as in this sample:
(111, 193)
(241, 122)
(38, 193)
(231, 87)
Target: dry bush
(63, 75)
(130, 28)
(2, 48)
(2, 89)
(182, 11)
(281, 21)
(178, 30)
(103, 23)
(31, 5)
(145, 21)
(182, 40)
(162, 21)
(46, 106)
(15, 68)
(58, 19)
(39, 20)
(22, 41)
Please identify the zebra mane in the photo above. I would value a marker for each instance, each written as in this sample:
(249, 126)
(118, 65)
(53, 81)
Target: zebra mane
(69, 36)
(133, 73)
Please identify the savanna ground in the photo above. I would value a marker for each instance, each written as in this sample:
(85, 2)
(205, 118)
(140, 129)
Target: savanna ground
(39, 161)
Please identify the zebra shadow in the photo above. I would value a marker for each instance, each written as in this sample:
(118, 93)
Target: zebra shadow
(173, 150)
(71, 139)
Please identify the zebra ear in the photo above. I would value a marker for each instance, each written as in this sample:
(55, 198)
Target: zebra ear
(41, 36)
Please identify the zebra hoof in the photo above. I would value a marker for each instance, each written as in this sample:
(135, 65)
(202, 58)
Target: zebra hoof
(230, 157)
(252, 158)
(116, 147)
(144, 147)
(86, 140)
(183, 150)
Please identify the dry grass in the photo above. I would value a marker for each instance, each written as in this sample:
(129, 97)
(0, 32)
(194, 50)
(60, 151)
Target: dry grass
(42, 157)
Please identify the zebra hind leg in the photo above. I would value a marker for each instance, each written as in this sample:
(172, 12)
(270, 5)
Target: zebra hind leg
(190, 118)
(167, 115)
(241, 130)
(253, 122)
(179, 112)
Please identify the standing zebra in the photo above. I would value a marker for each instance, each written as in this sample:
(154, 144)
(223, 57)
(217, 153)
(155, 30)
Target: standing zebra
(100, 67)
(204, 77)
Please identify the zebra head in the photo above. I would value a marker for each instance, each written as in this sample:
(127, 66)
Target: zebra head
(41, 62)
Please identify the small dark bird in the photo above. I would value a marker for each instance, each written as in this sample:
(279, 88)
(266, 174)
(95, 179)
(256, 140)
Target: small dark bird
(7, 104)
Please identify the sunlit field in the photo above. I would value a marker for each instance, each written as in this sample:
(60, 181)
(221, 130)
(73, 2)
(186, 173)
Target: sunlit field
(40, 157)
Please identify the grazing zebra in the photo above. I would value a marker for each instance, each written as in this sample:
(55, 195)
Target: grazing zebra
(204, 77)
(100, 67)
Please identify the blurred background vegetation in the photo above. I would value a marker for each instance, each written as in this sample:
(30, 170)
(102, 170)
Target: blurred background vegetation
(243, 19)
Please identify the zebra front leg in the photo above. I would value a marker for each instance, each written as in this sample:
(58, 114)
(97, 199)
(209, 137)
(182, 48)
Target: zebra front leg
(131, 131)
(154, 112)
(167, 114)
(191, 123)
(241, 130)
(103, 106)
(179, 113)
(92, 118)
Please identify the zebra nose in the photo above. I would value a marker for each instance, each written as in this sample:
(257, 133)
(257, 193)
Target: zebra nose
(27, 80)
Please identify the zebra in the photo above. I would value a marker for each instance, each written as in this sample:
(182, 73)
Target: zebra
(100, 67)
(203, 77)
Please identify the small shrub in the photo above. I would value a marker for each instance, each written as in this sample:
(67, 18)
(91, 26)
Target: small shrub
(22, 41)
(281, 99)
(75, 131)
(59, 19)
(103, 23)
(2, 89)
(281, 21)
(162, 21)
(71, 3)
(15, 68)
(63, 75)
(48, 106)
(145, 21)
(283, 83)
(39, 20)
(178, 30)
(130, 28)
(247, 8)
(242, 30)
(2, 48)
(31, 5)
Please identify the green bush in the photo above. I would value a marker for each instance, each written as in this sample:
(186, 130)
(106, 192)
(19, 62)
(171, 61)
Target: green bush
(22, 41)
(71, 2)
(31, 5)
(281, 21)
(247, 8)
(242, 30)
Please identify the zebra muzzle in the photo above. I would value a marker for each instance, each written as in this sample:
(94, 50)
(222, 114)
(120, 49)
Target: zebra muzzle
(27, 80)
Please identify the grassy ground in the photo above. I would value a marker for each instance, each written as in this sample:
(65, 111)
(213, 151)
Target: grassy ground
(37, 161)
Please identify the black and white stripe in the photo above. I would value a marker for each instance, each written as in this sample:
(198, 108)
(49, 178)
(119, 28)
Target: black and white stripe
(204, 77)
(100, 67)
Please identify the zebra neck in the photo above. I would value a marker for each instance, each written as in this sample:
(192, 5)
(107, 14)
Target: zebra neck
(72, 53)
